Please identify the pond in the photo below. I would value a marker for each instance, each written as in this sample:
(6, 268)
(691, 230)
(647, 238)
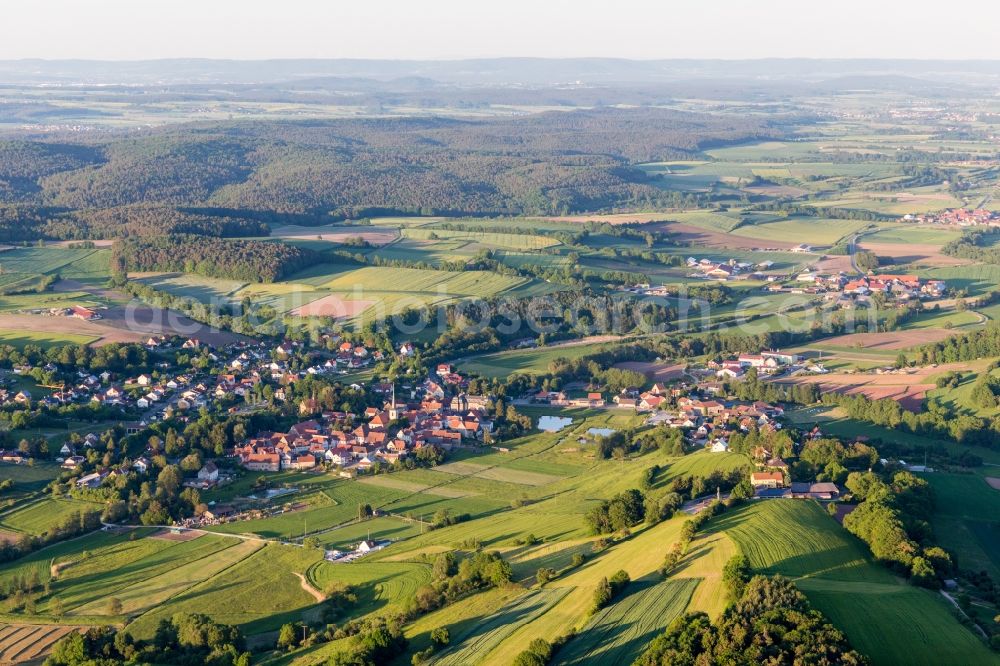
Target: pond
(553, 423)
(601, 432)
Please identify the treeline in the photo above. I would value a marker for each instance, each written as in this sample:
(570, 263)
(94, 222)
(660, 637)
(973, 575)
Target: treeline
(787, 208)
(245, 260)
(980, 343)
(183, 639)
(24, 223)
(115, 357)
(975, 244)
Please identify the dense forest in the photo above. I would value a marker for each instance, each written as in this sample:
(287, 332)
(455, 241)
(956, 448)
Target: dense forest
(20, 223)
(542, 163)
(246, 260)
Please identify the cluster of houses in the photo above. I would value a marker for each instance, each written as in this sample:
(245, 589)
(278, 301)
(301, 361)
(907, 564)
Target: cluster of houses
(710, 422)
(348, 356)
(726, 270)
(848, 292)
(70, 459)
(959, 217)
(766, 363)
(356, 442)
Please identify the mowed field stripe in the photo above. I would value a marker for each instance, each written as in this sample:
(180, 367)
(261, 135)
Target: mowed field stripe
(147, 594)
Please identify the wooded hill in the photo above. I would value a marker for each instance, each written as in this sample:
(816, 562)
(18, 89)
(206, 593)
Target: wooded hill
(544, 163)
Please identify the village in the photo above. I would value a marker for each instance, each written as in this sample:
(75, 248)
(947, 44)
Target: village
(957, 217)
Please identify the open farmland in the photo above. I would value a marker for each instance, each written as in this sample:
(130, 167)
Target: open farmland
(620, 632)
(336, 233)
(888, 620)
(656, 372)
(812, 230)
(486, 238)
(502, 364)
(477, 643)
(31, 643)
(889, 340)
(39, 517)
(966, 514)
(909, 387)
(911, 253)
(379, 584)
(259, 593)
(43, 339)
(76, 264)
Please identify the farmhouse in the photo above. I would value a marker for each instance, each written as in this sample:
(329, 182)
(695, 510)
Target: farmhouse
(767, 480)
(83, 313)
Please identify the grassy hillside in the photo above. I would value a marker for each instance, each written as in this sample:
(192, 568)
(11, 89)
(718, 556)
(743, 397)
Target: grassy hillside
(885, 618)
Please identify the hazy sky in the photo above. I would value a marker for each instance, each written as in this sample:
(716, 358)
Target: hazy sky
(449, 29)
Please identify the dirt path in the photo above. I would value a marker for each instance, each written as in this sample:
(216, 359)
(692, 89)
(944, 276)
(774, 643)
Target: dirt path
(316, 594)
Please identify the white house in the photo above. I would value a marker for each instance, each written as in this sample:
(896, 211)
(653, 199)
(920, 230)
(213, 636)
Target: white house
(209, 473)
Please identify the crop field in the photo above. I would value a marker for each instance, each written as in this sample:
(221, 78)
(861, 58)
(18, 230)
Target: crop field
(902, 625)
(460, 617)
(701, 463)
(200, 563)
(378, 583)
(909, 389)
(43, 339)
(713, 221)
(38, 517)
(798, 539)
(384, 290)
(477, 643)
(506, 475)
(186, 285)
(86, 579)
(76, 264)
(808, 230)
(883, 617)
(620, 632)
(529, 361)
(704, 562)
(907, 234)
(430, 251)
(486, 238)
(30, 643)
(976, 279)
(29, 477)
(46, 301)
(259, 594)
(966, 496)
(890, 340)
(960, 397)
(531, 259)
(333, 233)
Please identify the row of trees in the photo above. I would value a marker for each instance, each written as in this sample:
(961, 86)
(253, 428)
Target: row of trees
(185, 640)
